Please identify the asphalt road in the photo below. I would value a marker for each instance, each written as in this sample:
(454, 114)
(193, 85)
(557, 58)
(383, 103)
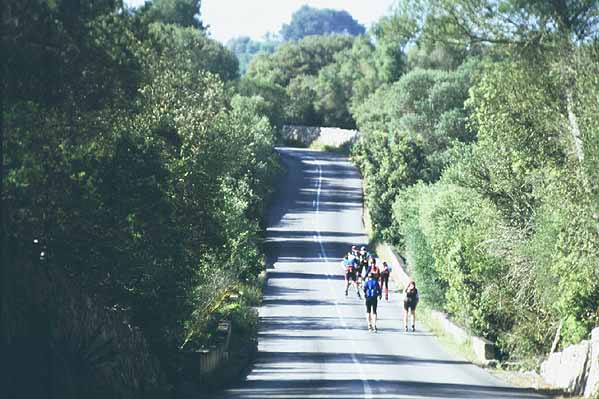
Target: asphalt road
(313, 340)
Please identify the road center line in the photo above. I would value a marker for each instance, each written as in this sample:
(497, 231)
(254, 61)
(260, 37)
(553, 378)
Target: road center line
(324, 257)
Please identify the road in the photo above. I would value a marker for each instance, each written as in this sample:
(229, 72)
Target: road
(313, 340)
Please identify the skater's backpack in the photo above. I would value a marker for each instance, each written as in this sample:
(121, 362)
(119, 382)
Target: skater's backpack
(371, 288)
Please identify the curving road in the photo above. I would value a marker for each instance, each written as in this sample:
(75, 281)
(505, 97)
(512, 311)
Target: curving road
(313, 341)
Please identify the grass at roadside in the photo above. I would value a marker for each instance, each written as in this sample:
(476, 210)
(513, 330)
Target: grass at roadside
(343, 149)
(458, 349)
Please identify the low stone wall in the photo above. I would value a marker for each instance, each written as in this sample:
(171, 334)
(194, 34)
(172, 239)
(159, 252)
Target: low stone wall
(576, 368)
(320, 136)
(483, 349)
(203, 362)
(336, 137)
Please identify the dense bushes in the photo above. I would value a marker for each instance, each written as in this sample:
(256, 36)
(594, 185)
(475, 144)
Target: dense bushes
(498, 215)
(139, 167)
(409, 129)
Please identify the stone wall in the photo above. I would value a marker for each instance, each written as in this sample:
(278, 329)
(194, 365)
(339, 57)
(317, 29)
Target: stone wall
(576, 368)
(318, 136)
(58, 342)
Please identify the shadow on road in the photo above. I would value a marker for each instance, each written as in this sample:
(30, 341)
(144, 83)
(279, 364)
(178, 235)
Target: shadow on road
(303, 276)
(352, 389)
(296, 302)
(273, 358)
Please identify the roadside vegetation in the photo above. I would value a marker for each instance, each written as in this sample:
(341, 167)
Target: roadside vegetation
(480, 164)
(140, 170)
(479, 151)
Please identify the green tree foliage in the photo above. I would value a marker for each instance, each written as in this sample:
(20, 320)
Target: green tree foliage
(184, 13)
(537, 169)
(533, 24)
(346, 82)
(194, 49)
(448, 227)
(311, 99)
(130, 157)
(274, 97)
(426, 108)
(245, 49)
(506, 241)
(308, 21)
(302, 95)
(292, 59)
(389, 163)
(504, 236)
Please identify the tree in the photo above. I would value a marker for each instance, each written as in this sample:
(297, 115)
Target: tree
(194, 49)
(428, 106)
(346, 83)
(274, 97)
(304, 57)
(139, 168)
(295, 66)
(300, 109)
(180, 12)
(245, 49)
(532, 27)
(311, 21)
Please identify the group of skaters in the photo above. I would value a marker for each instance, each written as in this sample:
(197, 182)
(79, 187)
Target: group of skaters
(365, 275)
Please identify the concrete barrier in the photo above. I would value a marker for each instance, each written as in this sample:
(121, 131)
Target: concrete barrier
(335, 137)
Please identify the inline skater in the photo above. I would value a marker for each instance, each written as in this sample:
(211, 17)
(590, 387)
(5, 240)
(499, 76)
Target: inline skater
(349, 266)
(374, 270)
(363, 259)
(372, 292)
(410, 301)
(385, 272)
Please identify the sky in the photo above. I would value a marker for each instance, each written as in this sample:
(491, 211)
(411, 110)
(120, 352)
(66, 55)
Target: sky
(254, 18)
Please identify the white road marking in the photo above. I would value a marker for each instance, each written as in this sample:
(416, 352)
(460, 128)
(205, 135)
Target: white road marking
(324, 257)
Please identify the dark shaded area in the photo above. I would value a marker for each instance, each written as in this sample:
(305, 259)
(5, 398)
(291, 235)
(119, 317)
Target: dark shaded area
(352, 389)
(296, 302)
(274, 234)
(302, 276)
(334, 357)
(294, 323)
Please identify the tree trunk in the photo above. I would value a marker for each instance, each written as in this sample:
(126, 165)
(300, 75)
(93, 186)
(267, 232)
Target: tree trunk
(558, 335)
(574, 129)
